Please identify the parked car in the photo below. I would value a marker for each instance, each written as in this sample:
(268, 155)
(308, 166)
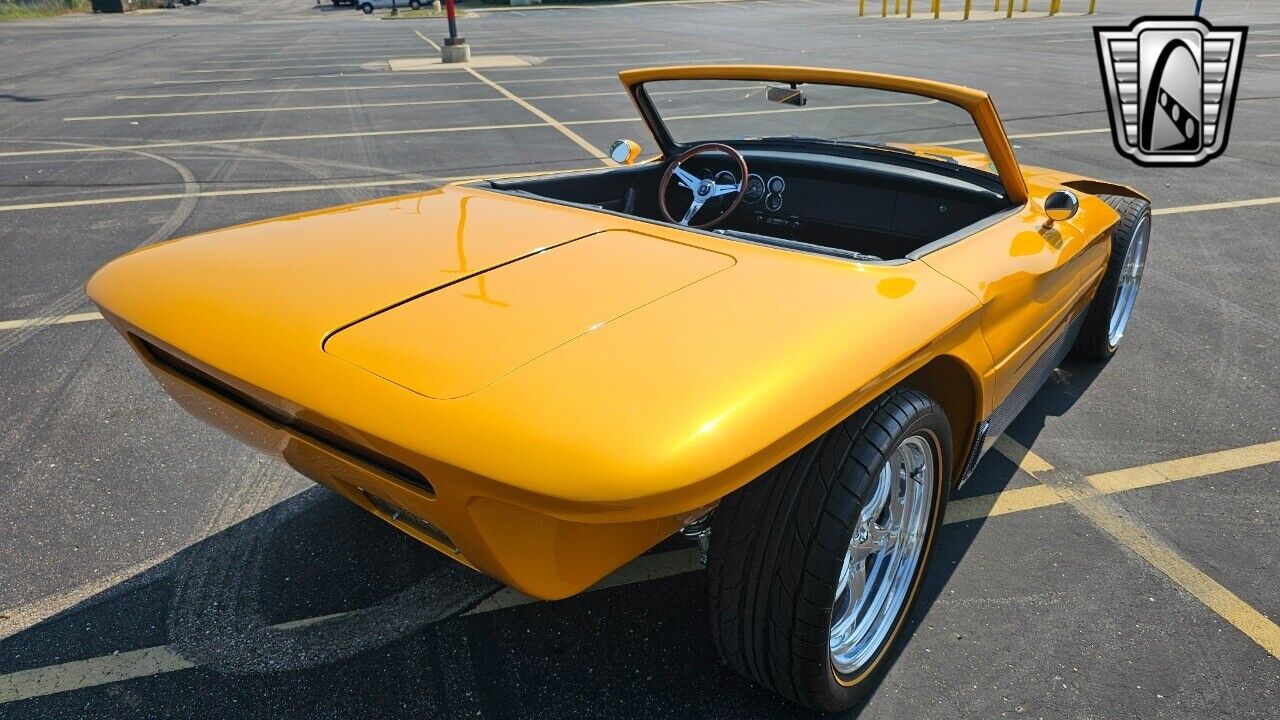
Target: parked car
(367, 6)
(791, 336)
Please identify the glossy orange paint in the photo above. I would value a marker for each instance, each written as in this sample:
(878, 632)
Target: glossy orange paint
(626, 376)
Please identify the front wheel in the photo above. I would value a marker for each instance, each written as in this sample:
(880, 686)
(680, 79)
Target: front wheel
(415, 4)
(1108, 315)
(367, 8)
(814, 567)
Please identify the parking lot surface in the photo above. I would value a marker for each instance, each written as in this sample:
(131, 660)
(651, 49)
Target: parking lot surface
(1116, 559)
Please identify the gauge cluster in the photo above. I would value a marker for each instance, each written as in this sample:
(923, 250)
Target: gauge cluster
(770, 191)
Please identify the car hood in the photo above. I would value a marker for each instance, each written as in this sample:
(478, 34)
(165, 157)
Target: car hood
(452, 340)
(574, 355)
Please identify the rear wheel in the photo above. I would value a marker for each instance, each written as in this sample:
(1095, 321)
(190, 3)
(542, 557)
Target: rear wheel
(367, 8)
(1109, 313)
(814, 567)
(415, 4)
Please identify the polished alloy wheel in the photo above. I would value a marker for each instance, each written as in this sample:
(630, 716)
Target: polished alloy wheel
(884, 552)
(1135, 261)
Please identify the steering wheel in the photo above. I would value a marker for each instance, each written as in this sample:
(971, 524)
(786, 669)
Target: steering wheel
(703, 190)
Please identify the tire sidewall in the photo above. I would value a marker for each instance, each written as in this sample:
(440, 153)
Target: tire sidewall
(848, 690)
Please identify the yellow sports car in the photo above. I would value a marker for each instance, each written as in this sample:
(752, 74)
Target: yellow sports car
(790, 336)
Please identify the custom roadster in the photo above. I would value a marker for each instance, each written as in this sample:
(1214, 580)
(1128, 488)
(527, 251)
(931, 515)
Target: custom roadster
(790, 336)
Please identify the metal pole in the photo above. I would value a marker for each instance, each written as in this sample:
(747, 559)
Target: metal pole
(453, 20)
(1197, 10)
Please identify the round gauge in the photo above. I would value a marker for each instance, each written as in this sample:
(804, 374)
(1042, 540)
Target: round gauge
(724, 177)
(755, 188)
(773, 202)
(777, 185)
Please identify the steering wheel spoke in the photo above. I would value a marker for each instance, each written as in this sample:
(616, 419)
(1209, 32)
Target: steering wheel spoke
(686, 179)
(703, 190)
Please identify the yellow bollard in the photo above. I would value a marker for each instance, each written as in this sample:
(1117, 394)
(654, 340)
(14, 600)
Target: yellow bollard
(897, 7)
(908, 8)
(1092, 6)
(1008, 13)
(884, 8)
(862, 7)
(1024, 5)
(967, 3)
(937, 9)
(1053, 7)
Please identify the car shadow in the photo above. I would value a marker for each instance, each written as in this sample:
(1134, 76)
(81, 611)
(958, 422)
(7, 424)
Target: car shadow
(228, 628)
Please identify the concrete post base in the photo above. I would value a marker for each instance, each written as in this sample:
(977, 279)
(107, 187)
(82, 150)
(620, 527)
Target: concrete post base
(455, 51)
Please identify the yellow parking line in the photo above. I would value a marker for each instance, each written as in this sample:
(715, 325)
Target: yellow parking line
(1001, 503)
(1119, 525)
(59, 320)
(1217, 206)
(1197, 466)
(1021, 456)
(1091, 500)
(79, 674)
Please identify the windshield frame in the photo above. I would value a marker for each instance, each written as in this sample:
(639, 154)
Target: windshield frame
(975, 102)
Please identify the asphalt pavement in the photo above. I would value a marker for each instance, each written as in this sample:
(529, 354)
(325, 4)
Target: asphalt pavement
(150, 567)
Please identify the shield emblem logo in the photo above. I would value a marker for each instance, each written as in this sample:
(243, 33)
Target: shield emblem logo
(1170, 86)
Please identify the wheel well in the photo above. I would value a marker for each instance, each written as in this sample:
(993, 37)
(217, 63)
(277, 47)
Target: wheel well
(954, 387)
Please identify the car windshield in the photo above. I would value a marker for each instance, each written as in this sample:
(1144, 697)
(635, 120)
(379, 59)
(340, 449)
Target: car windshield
(695, 111)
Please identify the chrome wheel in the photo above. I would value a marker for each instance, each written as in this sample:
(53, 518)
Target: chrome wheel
(1135, 260)
(883, 555)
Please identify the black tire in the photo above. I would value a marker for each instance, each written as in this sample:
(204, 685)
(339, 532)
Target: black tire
(367, 8)
(415, 4)
(778, 546)
(1094, 342)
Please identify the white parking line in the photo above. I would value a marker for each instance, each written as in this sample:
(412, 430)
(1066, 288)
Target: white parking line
(436, 130)
(361, 105)
(440, 69)
(62, 320)
(410, 50)
(296, 108)
(346, 88)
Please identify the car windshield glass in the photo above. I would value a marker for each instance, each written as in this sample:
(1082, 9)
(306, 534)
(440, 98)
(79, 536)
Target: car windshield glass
(696, 111)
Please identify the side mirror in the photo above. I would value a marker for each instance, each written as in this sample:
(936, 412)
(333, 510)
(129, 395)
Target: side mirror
(624, 152)
(1061, 205)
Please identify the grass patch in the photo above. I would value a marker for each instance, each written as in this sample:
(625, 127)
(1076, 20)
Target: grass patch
(30, 9)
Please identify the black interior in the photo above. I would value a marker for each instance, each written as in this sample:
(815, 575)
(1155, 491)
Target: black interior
(871, 204)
